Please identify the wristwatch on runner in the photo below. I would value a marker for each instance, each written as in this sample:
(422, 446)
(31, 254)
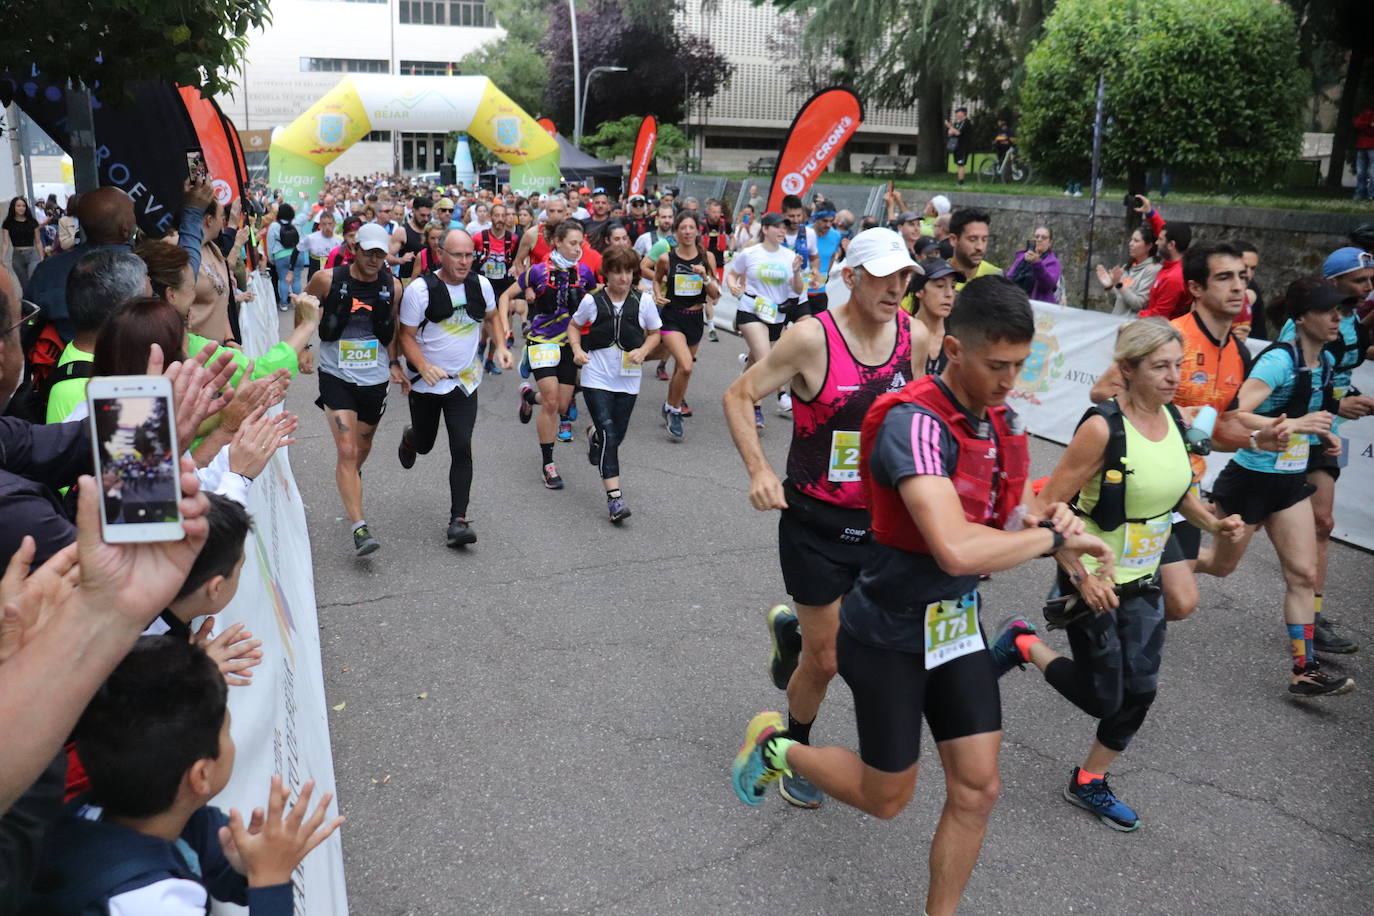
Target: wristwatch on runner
(1058, 538)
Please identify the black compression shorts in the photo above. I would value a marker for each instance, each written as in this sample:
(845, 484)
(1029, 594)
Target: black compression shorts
(893, 690)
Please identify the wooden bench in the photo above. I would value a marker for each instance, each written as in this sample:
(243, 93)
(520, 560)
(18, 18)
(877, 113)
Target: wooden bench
(886, 165)
(763, 165)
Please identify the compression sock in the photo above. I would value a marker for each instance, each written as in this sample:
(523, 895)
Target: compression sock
(775, 751)
(1309, 633)
(613, 494)
(1084, 777)
(547, 449)
(799, 732)
(1024, 643)
(1297, 640)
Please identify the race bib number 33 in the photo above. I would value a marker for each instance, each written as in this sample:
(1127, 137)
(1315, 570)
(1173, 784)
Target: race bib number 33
(952, 630)
(844, 457)
(1144, 543)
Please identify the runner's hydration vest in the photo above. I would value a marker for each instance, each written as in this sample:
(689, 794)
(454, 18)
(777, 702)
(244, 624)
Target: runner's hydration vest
(973, 477)
(495, 253)
(1109, 513)
(338, 305)
(686, 289)
(822, 461)
(1303, 384)
(561, 289)
(440, 307)
(610, 329)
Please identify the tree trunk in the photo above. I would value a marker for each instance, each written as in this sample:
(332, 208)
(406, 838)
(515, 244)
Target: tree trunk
(930, 127)
(1350, 91)
(81, 129)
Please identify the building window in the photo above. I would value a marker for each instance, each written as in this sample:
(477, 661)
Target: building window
(375, 136)
(343, 65)
(364, 1)
(428, 68)
(469, 13)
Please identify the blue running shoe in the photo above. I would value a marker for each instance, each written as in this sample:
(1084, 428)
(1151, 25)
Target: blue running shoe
(565, 430)
(673, 422)
(491, 367)
(1096, 796)
(525, 362)
(572, 408)
(798, 791)
(784, 632)
(750, 772)
(1005, 655)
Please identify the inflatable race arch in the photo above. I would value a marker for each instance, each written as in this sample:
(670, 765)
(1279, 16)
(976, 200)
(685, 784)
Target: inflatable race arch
(363, 103)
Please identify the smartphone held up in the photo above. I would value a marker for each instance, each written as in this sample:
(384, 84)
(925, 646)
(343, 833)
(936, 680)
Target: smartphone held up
(134, 441)
(197, 169)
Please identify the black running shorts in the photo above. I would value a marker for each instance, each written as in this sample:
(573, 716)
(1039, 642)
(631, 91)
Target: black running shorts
(1184, 543)
(367, 401)
(565, 371)
(821, 549)
(1318, 460)
(893, 691)
(774, 330)
(691, 324)
(1256, 495)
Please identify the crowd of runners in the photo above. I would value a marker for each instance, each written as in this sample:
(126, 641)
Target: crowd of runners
(907, 480)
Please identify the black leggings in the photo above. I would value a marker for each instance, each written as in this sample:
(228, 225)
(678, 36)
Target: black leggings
(459, 411)
(610, 412)
(1115, 666)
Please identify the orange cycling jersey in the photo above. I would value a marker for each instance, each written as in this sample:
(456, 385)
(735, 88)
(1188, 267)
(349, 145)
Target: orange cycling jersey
(1212, 372)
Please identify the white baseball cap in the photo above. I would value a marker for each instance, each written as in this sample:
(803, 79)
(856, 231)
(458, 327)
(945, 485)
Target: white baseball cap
(374, 237)
(879, 251)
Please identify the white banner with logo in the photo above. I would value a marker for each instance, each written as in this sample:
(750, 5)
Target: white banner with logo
(1071, 349)
(280, 723)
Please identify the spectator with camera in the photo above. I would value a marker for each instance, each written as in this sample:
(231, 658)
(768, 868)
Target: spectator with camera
(1036, 267)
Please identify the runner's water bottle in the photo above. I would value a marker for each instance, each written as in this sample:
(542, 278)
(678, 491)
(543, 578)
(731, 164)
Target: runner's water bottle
(1200, 432)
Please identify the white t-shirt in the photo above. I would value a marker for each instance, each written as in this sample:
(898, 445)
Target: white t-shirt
(812, 246)
(767, 275)
(475, 227)
(318, 245)
(604, 370)
(450, 344)
(581, 213)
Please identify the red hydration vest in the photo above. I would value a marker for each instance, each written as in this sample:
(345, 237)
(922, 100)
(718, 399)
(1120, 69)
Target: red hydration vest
(972, 478)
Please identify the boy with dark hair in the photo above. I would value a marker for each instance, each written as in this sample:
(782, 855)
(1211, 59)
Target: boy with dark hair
(156, 742)
(945, 467)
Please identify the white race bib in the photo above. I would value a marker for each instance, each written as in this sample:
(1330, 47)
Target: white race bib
(1294, 458)
(767, 311)
(358, 354)
(471, 376)
(844, 457)
(952, 630)
(544, 355)
(629, 368)
(494, 270)
(1144, 543)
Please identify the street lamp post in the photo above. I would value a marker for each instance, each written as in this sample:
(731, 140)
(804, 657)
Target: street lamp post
(577, 73)
(582, 109)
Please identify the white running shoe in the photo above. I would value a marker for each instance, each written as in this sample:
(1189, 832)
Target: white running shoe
(784, 403)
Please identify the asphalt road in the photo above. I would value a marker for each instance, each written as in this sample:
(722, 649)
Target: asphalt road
(544, 722)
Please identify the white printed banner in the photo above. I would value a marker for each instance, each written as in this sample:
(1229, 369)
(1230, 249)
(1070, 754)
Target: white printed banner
(280, 723)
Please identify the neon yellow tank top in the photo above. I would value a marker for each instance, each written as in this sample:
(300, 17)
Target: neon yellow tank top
(1158, 475)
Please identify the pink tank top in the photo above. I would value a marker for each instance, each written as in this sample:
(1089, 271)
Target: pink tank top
(823, 462)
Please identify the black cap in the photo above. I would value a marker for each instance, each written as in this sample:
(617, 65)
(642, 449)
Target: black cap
(772, 219)
(934, 270)
(1322, 297)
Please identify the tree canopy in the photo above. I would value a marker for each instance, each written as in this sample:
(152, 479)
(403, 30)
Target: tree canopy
(513, 61)
(617, 138)
(1213, 91)
(664, 65)
(106, 44)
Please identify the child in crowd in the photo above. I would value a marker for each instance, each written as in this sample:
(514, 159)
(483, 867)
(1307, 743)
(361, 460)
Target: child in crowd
(155, 740)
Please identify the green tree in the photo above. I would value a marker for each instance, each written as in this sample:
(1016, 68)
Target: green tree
(617, 138)
(1211, 90)
(897, 53)
(513, 61)
(103, 45)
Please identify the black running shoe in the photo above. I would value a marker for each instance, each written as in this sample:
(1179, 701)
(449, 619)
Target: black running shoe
(784, 632)
(551, 479)
(1314, 682)
(364, 543)
(460, 533)
(405, 451)
(1325, 638)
